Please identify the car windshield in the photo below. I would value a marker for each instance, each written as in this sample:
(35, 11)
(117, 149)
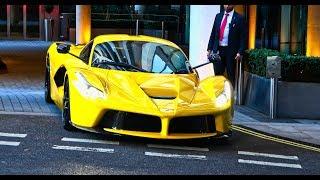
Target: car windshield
(140, 56)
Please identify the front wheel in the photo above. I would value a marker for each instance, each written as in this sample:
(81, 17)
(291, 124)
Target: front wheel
(66, 117)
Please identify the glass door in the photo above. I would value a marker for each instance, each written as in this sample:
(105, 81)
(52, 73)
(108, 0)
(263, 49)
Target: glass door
(3, 21)
(32, 21)
(16, 22)
(268, 26)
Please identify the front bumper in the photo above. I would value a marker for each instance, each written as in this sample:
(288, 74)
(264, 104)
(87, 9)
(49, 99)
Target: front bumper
(89, 113)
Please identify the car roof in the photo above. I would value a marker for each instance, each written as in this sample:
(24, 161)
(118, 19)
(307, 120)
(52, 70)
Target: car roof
(122, 37)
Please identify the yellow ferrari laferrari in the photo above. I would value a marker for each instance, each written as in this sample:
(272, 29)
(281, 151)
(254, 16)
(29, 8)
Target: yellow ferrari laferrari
(136, 85)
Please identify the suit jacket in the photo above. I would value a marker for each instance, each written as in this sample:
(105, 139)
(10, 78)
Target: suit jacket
(237, 34)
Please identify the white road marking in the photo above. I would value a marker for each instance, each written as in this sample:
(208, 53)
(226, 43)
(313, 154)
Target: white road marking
(268, 155)
(298, 166)
(12, 135)
(76, 148)
(89, 141)
(198, 157)
(178, 147)
(30, 113)
(9, 143)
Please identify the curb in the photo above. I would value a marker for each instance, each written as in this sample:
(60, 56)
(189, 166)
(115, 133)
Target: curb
(29, 113)
(280, 137)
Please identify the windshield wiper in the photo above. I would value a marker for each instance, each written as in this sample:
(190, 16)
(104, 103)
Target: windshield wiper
(122, 65)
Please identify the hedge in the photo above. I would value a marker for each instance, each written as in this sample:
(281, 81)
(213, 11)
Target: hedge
(293, 68)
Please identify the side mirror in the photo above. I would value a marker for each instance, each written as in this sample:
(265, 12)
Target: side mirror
(214, 57)
(63, 48)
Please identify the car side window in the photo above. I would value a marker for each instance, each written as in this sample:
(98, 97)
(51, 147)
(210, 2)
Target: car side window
(85, 53)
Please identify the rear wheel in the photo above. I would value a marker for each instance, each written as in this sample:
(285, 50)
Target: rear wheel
(47, 92)
(66, 118)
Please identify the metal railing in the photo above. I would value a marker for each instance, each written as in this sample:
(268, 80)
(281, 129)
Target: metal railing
(129, 18)
(68, 20)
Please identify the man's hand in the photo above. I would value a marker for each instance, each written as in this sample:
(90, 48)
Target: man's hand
(208, 53)
(238, 57)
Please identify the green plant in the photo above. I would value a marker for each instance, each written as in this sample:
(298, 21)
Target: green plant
(293, 68)
(255, 60)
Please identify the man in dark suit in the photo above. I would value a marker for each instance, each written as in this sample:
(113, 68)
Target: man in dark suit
(228, 39)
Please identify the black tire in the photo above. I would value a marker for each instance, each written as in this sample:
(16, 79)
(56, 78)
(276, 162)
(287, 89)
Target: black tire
(66, 118)
(47, 86)
(225, 139)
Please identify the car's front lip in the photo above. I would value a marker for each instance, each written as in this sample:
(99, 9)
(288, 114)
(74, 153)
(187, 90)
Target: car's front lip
(156, 135)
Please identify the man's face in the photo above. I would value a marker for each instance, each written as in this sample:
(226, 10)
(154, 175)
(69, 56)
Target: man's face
(228, 8)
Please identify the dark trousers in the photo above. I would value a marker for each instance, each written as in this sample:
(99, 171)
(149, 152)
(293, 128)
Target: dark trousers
(227, 62)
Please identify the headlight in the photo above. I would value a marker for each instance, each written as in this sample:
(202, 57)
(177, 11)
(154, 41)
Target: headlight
(86, 89)
(225, 95)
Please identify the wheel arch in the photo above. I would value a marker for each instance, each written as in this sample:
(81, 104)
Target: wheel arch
(59, 77)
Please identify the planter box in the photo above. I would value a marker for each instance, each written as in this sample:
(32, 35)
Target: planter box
(294, 100)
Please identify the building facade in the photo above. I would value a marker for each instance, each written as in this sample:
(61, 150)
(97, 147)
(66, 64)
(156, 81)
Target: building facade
(292, 29)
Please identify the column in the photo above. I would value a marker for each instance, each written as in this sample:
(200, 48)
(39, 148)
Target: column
(8, 20)
(201, 22)
(24, 7)
(252, 25)
(240, 9)
(83, 24)
(313, 31)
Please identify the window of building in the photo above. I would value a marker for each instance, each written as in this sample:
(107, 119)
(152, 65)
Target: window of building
(32, 21)
(268, 26)
(298, 29)
(3, 21)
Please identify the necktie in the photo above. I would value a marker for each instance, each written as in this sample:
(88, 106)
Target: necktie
(223, 26)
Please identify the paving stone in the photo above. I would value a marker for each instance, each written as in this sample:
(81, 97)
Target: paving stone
(15, 103)
(24, 102)
(7, 103)
(1, 105)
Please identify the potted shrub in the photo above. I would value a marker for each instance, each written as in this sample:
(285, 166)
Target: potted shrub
(297, 87)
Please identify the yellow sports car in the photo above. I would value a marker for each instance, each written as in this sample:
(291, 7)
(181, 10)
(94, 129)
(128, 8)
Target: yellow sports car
(138, 86)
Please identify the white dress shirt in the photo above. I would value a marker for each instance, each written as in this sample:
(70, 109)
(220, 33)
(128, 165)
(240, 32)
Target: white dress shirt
(224, 41)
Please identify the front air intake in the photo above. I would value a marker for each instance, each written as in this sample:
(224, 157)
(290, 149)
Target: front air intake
(193, 124)
(131, 121)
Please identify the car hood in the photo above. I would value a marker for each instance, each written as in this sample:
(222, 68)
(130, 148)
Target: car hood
(164, 92)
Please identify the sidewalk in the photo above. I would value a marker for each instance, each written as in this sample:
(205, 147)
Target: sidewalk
(303, 130)
(22, 87)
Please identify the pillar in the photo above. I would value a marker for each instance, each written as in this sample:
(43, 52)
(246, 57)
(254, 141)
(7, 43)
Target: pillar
(240, 9)
(8, 20)
(201, 22)
(24, 11)
(252, 26)
(313, 31)
(83, 24)
(285, 28)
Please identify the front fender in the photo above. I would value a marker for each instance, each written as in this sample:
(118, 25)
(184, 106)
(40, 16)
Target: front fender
(85, 111)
